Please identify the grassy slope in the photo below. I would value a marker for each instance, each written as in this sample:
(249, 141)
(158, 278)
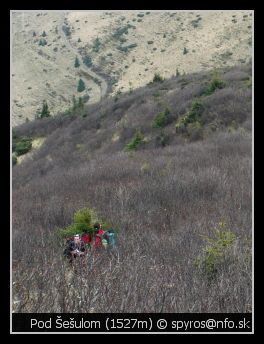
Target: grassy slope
(160, 39)
(42, 73)
(160, 199)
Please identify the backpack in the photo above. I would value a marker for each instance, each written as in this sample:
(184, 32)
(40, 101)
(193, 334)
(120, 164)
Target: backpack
(110, 237)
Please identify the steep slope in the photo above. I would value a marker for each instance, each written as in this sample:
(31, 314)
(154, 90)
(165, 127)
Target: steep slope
(132, 46)
(124, 50)
(44, 72)
(163, 197)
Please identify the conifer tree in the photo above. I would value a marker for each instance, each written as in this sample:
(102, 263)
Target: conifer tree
(81, 86)
(45, 110)
(76, 63)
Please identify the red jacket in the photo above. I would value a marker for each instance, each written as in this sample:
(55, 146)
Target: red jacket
(98, 238)
(86, 238)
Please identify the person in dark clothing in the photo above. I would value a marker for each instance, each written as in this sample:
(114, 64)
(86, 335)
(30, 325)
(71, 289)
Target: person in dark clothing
(75, 248)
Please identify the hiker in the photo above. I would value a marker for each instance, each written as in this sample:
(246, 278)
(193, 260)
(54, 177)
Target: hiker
(109, 237)
(75, 248)
(87, 239)
(98, 234)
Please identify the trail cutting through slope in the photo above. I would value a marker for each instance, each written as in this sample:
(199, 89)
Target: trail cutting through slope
(83, 68)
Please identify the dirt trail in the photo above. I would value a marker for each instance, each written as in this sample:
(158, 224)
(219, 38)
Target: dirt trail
(83, 68)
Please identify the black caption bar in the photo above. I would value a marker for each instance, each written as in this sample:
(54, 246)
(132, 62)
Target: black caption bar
(132, 322)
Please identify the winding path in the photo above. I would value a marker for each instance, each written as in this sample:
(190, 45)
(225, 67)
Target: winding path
(83, 68)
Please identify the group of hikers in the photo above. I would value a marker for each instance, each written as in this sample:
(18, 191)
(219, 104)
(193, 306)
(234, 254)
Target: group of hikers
(79, 245)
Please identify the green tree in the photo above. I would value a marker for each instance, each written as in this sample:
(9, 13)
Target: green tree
(83, 220)
(161, 119)
(137, 139)
(81, 86)
(77, 62)
(214, 253)
(74, 103)
(66, 30)
(80, 103)
(96, 45)
(185, 51)
(44, 34)
(87, 61)
(192, 116)
(45, 110)
(22, 145)
(215, 83)
(42, 42)
(157, 78)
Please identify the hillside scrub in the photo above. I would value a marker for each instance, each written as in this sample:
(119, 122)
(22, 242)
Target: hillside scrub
(164, 200)
(191, 118)
(185, 192)
(161, 119)
(214, 84)
(121, 31)
(214, 252)
(21, 145)
(137, 140)
(157, 78)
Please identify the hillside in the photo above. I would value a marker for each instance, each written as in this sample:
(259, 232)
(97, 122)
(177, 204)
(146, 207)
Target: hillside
(187, 173)
(123, 51)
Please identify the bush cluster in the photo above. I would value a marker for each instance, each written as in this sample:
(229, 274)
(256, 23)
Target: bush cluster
(161, 119)
(157, 78)
(127, 47)
(21, 145)
(213, 255)
(137, 140)
(192, 117)
(82, 223)
(214, 84)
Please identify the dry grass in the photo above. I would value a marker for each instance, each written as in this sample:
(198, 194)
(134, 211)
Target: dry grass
(52, 75)
(159, 199)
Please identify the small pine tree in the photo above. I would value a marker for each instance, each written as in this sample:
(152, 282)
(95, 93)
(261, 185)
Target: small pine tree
(74, 103)
(215, 252)
(66, 30)
(96, 45)
(157, 78)
(87, 61)
(77, 63)
(34, 33)
(42, 42)
(80, 103)
(45, 110)
(137, 139)
(185, 51)
(44, 34)
(161, 119)
(81, 86)
(79, 40)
